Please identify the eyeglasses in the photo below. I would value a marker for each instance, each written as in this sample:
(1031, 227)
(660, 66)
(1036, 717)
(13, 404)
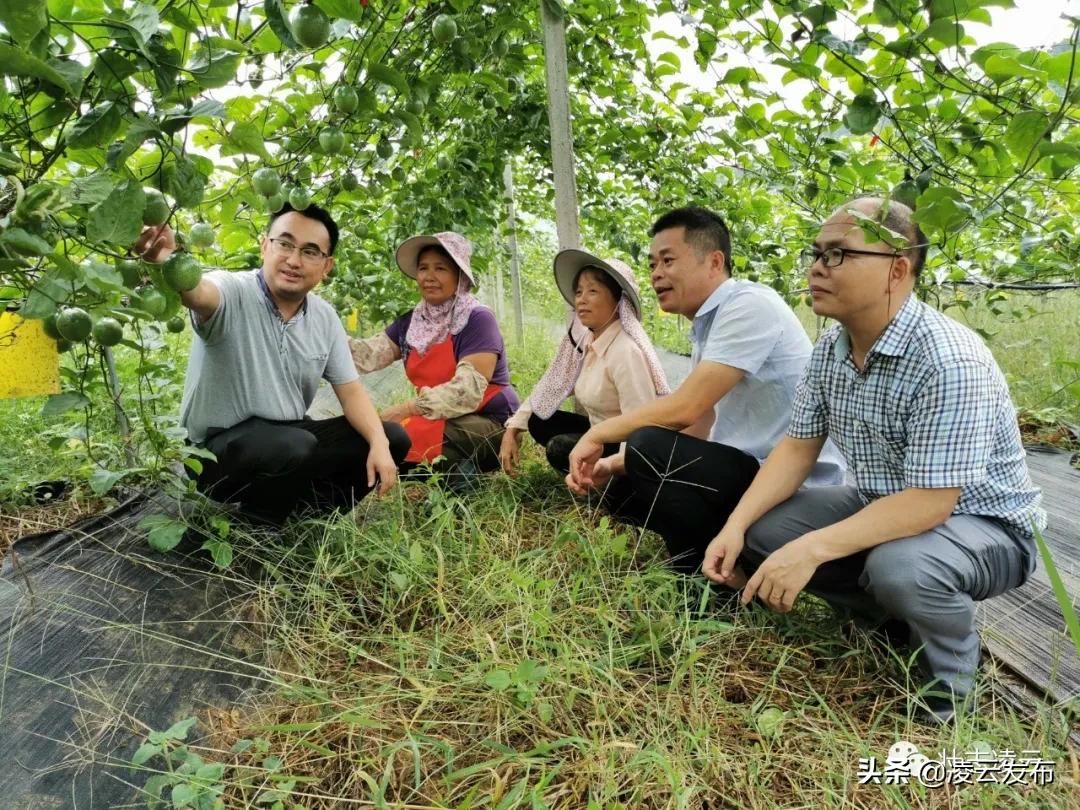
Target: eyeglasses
(309, 254)
(834, 256)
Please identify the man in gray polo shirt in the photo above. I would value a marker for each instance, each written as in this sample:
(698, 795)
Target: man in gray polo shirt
(943, 511)
(262, 342)
(689, 456)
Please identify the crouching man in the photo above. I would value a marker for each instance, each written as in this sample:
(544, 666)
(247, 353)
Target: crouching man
(943, 508)
(262, 342)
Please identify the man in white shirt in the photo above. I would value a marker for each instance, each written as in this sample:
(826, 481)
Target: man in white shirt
(691, 455)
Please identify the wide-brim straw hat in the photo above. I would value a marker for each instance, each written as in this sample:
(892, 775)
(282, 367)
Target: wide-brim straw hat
(568, 263)
(455, 244)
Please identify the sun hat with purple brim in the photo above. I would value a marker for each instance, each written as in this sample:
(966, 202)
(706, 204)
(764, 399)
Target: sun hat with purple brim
(455, 244)
(569, 262)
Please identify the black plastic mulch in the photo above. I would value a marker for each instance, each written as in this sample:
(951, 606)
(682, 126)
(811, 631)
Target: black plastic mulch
(105, 640)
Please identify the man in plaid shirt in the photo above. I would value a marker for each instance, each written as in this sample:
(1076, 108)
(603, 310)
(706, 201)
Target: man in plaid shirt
(943, 508)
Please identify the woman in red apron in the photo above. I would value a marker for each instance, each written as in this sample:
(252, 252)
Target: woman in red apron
(455, 357)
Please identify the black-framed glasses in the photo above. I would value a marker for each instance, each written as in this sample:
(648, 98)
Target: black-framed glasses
(834, 256)
(308, 253)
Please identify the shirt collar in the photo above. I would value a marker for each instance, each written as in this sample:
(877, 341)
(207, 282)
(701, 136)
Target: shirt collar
(601, 344)
(269, 298)
(718, 297)
(713, 303)
(896, 338)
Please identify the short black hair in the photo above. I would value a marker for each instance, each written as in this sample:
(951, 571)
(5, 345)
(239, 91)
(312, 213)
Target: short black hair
(605, 279)
(705, 230)
(311, 212)
(899, 218)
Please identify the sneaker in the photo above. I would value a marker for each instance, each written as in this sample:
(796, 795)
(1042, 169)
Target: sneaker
(935, 710)
(892, 634)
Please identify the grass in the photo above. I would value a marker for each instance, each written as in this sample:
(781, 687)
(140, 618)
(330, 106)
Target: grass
(518, 650)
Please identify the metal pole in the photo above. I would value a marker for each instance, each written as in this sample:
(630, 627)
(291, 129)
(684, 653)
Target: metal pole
(562, 142)
(500, 300)
(515, 264)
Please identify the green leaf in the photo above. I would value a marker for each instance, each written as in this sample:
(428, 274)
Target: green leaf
(27, 243)
(113, 66)
(1060, 66)
(342, 9)
(739, 75)
(163, 533)
(820, 14)
(884, 11)
(389, 76)
(498, 679)
(1066, 153)
(770, 721)
(97, 127)
(23, 19)
(1068, 612)
(246, 137)
(101, 481)
(980, 55)
(185, 182)
(71, 70)
(59, 404)
(411, 122)
(167, 63)
(207, 108)
(143, 23)
(211, 772)
(17, 62)
(118, 218)
(183, 795)
(220, 551)
(43, 298)
(146, 752)
(706, 47)
(1001, 68)
(179, 729)
(1024, 133)
(942, 210)
(947, 32)
(101, 277)
(963, 9)
(139, 131)
(862, 115)
(158, 782)
(528, 671)
(275, 16)
(214, 67)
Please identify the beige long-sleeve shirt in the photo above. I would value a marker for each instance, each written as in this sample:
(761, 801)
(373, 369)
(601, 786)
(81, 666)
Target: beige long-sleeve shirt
(614, 379)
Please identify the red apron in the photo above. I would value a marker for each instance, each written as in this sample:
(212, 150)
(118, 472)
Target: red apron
(436, 367)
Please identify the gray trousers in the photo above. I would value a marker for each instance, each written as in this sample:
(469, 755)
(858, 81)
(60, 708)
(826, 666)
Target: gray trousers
(930, 580)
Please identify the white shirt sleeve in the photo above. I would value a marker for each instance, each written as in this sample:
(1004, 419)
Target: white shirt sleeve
(520, 419)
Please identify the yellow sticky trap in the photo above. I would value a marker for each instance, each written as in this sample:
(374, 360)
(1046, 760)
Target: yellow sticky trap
(29, 362)
(352, 322)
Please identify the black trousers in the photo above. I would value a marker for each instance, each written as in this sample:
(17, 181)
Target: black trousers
(272, 468)
(559, 433)
(682, 488)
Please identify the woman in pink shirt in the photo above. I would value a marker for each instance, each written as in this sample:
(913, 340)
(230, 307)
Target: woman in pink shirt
(605, 361)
